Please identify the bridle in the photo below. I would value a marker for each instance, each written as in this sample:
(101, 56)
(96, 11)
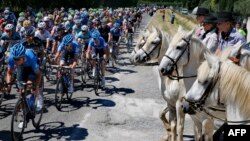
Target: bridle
(200, 103)
(151, 51)
(143, 38)
(178, 77)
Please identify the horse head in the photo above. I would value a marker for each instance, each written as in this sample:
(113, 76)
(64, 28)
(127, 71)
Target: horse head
(152, 48)
(205, 85)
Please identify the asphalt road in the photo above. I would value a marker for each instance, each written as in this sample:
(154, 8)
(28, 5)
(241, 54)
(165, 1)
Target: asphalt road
(127, 111)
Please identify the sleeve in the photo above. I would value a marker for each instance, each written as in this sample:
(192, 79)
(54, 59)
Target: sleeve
(77, 49)
(212, 43)
(60, 47)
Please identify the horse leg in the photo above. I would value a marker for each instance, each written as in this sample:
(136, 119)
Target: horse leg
(197, 131)
(207, 129)
(172, 120)
(180, 119)
(165, 123)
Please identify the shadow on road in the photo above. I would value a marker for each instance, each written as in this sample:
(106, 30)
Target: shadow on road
(110, 90)
(6, 110)
(57, 130)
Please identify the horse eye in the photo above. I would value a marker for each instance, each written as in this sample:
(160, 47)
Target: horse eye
(178, 47)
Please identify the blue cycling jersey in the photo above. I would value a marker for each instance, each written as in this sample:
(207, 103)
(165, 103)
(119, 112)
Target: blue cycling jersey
(30, 60)
(85, 37)
(116, 32)
(101, 45)
(15, 36)
(75, 48)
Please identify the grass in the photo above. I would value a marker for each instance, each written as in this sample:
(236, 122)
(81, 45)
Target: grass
(187, 22)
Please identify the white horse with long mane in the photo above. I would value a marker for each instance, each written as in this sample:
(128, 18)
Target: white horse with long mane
(141, 40)
(154, 48)
(184, 56)
(222, 82)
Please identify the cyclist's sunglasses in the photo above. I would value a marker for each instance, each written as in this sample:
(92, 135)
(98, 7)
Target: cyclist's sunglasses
(18, 59)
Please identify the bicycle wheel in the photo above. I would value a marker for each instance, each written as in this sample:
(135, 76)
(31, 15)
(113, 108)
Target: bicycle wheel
(89, 69)
(37, 111)
(83, 73)
(18, 121)
(96, 81)
(48, 71)
(59, 93)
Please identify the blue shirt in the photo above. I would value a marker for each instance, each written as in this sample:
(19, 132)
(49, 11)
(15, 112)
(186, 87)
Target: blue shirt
(30, 60)
(233, 38)
(101, 45)
(85, 37)
(75, 48)
(116, 32)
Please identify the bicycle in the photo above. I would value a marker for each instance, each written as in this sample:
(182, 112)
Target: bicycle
(114, 51)
(24, 111)
(129, 41)
(63, 82)
(97, 77)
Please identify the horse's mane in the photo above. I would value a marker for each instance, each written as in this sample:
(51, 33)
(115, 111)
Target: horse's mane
(244, 59)
(233, 84)
(197, 45)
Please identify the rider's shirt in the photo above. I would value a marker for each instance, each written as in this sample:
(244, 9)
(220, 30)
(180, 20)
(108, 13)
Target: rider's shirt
(104, 32)
(76, 29)
(101, 45)
(116, 33)
(86, 37)
(231, 39)
(36, 45)
(43, 36)
(30, 60)
(74, 49)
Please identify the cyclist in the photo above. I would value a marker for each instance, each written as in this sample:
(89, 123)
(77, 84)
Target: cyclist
(68, 52)
(25, 61)
(32, 42)
(97, 46)
(116, 32)
(84, 36)
(9, 37)
(44, 35)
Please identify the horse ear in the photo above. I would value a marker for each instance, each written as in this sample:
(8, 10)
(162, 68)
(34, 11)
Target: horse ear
(213, 63)
(190, 34)
(180, 28)
(210, 59)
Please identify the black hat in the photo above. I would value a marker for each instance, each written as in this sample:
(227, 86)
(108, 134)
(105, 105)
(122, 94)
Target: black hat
(210, 19)
(224, 16)
(200, 11)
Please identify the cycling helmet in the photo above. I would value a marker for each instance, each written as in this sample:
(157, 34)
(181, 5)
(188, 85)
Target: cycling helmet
(68, 39)
(46, 19)
(84, 28)
(21, 19)
(77, 21)
(26, 23)
(9, 27)
(29, 32)
(41, 25)
(116, 25)
(17, 50)
(95, 34)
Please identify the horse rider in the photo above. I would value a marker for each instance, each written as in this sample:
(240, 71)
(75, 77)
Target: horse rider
(210, 37)
(228, 35)
(200, 13)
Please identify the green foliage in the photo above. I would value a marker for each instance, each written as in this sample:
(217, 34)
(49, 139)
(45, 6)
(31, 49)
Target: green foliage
(241, 7)
(18, 5)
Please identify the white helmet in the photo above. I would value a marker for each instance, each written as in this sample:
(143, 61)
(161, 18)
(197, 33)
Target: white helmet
(41, 25)
(46, 18)
(84, 28)
(9, 27)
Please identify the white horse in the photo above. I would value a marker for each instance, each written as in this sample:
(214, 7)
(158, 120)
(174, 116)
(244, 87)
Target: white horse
(222, 82)
(140, 42)
(184, 55)
(154, 48)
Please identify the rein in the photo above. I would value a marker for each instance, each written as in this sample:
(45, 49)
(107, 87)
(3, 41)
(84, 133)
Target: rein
(178, 77)
(148, 54)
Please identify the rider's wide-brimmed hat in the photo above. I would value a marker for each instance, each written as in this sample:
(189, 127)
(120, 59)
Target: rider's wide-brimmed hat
(224, 17)
(200, 11)
(210, 19)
